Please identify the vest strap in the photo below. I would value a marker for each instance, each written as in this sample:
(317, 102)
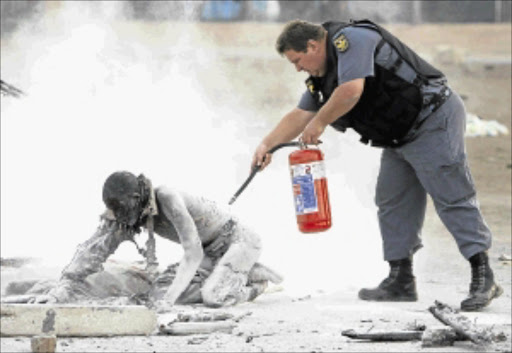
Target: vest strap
(396, 65)
(379, 46)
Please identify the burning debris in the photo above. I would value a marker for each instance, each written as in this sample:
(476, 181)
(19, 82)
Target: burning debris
(458, 328)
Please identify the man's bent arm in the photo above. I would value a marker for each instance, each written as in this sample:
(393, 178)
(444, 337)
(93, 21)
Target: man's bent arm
(174, 208)
(342, 100)
(89, 258)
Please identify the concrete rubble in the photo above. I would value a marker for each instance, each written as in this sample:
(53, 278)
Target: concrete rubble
(75, 321)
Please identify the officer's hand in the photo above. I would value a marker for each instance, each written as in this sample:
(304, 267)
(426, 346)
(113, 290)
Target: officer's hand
(312, 132)
(261, 157)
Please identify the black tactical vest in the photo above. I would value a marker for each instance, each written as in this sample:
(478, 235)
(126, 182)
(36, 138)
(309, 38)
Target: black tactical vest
(390, 104)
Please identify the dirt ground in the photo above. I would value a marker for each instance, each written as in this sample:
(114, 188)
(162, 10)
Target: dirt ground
(477, 62)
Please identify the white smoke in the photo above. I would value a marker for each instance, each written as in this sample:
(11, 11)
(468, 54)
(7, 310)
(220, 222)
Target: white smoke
(105, 94)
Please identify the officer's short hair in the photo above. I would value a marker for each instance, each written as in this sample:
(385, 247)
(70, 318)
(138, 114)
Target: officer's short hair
(296, 34)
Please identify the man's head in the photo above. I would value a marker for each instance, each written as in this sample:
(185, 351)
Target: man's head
(303, 44)
(122, 195)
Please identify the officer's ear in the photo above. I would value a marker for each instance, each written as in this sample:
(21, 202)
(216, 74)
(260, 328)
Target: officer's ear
(312, 46)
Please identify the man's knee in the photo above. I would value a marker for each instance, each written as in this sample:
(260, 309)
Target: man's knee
(215, 299)
(223, 288)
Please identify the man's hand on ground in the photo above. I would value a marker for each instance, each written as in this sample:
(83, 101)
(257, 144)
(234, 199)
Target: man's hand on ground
(58, 294)
(43, 299)
(162, 306)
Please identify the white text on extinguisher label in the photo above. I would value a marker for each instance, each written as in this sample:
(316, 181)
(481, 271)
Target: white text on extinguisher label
(303, 180)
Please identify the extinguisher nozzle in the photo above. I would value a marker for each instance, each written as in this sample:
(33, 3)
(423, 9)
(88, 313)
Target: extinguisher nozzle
(256, 168)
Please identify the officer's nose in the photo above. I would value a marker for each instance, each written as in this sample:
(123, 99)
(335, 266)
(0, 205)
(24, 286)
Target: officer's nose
(298, 67)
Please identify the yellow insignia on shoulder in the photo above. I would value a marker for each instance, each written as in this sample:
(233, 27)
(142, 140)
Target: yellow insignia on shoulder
(310, 85)
(341, 43)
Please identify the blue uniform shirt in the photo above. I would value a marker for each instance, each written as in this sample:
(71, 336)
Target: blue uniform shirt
(355, 62)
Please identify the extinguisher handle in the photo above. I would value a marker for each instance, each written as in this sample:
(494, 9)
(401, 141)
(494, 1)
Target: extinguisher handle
(257, 168)
(299, 144)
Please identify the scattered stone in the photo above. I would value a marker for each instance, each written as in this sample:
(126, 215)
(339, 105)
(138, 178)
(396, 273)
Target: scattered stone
(504, 257)
(43, 344)
(307, 297)
(197, 340)
(415, 326)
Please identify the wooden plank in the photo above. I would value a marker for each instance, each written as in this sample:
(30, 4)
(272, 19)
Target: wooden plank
(73, 320)
(193, 328)
(440, 337)
(460, 324)
(384, 335)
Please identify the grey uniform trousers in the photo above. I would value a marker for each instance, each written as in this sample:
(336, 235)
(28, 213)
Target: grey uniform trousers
(434, 162)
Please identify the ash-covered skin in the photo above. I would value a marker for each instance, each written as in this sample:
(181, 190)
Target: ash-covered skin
(175, 207)
(219, 263)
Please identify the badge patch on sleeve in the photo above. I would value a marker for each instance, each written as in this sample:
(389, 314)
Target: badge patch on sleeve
(310, 86)
(341, 43)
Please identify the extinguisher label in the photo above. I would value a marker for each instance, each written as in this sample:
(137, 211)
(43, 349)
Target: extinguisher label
(303, 180)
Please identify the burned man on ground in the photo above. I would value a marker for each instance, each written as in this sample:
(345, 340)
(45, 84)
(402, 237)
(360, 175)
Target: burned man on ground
(218, 267)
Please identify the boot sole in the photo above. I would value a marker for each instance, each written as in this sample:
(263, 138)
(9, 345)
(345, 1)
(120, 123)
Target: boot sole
(388, 299)
(496, 293)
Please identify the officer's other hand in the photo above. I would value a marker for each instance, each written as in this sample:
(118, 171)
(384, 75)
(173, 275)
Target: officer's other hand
(313, 130)
(261, 158)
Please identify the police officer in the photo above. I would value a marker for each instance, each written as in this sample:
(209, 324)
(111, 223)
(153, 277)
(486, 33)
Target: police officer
(362, 77)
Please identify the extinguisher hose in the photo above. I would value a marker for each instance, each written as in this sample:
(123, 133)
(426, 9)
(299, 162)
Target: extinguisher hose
(256, 169)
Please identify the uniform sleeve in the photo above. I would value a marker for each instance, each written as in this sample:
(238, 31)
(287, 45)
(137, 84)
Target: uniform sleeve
(307, 102)
(356, 56)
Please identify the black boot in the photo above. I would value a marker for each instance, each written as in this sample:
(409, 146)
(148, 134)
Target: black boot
(483, 289)
(399, 286)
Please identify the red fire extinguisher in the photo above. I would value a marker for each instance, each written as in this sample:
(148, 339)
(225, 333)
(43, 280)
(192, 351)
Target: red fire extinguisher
(309, 187)
(310, 191)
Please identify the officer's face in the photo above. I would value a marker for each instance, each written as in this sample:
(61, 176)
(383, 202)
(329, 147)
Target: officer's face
(313, 60)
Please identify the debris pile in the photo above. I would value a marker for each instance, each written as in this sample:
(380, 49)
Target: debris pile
(476, 126)
(458, 328)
